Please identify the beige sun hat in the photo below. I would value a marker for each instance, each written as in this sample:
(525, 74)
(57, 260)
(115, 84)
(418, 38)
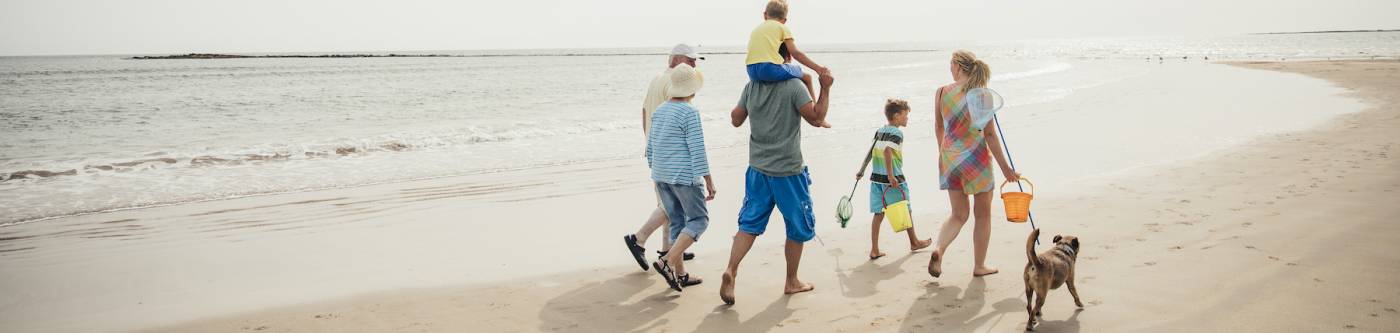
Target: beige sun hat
(685, 81)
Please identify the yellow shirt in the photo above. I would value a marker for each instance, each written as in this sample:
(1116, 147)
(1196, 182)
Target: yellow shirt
(764, 42)
(657, 93)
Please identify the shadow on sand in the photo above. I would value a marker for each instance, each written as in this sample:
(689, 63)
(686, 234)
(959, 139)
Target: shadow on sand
(954, 310)
(725, 320)
(862, 280)
(604, 306)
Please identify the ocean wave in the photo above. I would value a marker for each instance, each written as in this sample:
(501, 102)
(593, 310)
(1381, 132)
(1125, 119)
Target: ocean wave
(1051, 69)
(266, 153)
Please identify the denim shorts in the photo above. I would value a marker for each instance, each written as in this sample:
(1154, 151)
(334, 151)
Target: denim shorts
(771, 72)
(877, 190)
(685, 207)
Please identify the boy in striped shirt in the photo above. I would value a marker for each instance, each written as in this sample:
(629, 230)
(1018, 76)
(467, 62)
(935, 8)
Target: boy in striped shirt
(886, 175)
(676, 154)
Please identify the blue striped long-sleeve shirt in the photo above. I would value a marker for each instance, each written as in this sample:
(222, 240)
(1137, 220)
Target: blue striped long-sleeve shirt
(676, 146)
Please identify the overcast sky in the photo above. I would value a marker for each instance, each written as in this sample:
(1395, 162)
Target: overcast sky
(49, 27)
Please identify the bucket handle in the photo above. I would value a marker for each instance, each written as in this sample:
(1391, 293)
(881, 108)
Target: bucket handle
(1022, 179)
(887, 191)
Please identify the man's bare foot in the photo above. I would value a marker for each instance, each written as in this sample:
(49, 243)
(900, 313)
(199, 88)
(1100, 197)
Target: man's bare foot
(935, 264)
(920, 245)
(876, 254)
(726, 288)
(794, 287)
(984, 270)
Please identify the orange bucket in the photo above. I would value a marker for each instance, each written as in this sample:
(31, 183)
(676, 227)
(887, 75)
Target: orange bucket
(1018, 204)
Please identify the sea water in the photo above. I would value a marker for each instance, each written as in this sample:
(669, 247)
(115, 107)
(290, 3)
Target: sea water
(82, 134)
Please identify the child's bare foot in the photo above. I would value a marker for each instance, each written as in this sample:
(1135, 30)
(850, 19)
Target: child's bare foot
(984, 270)
(796, 286)
(935, 264)
(726, 288)
(876, 254)
(920, 245)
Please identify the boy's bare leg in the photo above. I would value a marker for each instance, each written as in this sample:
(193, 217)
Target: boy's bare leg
(875, 237)
(915, 243)
(742, 243)
(793, 253)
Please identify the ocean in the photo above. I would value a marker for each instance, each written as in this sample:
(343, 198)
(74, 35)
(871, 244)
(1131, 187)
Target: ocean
(85, 134)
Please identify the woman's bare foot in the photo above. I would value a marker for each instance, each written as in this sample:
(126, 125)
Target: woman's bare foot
(920, 245)
(726, 288)
(935, 264)
(795, 286)
(984, 271)
(876, 254)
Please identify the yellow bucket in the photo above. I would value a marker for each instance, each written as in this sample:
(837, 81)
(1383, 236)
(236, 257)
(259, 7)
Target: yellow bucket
(898, 213)
(1018, 204)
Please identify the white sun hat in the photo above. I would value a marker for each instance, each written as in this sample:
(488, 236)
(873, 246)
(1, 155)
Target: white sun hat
(685, 81)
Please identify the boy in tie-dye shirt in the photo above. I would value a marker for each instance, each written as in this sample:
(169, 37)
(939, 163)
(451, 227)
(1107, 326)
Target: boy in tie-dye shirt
(887, 184)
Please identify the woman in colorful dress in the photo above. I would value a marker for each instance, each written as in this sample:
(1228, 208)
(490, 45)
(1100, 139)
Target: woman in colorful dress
(964, 166)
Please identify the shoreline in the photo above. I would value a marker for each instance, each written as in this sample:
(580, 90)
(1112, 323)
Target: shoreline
(1227, 238)
(281, 261)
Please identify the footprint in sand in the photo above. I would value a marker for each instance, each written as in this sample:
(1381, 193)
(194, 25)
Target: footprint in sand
(1273, 258)
(1392, 310)
(1174, 248)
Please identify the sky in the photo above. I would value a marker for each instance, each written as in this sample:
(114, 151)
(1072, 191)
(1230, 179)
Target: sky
(63, 27)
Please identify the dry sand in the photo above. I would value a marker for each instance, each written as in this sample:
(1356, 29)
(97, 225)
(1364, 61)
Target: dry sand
(1290, 232)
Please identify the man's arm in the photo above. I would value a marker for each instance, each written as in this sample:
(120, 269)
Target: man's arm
(802, 58)
(738, 116)
(815, 113)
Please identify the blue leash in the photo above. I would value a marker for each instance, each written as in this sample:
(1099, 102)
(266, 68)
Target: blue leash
(1012, 161)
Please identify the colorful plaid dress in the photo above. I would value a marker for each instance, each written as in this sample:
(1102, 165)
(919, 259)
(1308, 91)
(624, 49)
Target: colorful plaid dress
(963, 154)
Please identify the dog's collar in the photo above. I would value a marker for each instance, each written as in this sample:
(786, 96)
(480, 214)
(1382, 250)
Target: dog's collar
(1068, 249)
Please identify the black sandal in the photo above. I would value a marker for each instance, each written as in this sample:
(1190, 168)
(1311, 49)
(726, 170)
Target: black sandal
(666, 273)
(686, 281)
(684, 256)
(638, 252)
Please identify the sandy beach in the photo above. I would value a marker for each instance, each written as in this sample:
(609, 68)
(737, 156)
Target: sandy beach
(1283, 232)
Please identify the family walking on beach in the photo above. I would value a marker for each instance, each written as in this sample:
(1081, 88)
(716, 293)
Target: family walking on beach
(778, 98)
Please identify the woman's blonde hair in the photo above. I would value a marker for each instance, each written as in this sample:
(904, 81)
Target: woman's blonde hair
(974, 70)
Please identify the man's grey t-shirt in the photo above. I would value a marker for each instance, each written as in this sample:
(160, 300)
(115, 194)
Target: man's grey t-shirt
(775, 125)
